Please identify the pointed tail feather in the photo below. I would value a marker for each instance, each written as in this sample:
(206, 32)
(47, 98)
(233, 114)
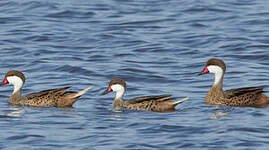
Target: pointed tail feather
(180, 101)
(78, 94)
(69, 99)
(164, 98)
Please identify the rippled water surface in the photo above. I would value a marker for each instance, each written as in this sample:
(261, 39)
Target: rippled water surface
(157, 47)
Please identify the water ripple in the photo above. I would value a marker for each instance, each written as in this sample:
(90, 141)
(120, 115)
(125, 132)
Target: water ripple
(158, 47)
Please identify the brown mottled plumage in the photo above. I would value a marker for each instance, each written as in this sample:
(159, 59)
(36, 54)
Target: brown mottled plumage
(150, 103)
(47, 98)
(242, 97)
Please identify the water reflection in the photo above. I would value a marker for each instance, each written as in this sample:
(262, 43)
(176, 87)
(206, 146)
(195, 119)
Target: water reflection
(218, 115)
(15, 112)
(221, 111)
(117, 113)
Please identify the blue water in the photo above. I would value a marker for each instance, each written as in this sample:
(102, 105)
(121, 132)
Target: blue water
(157, 47)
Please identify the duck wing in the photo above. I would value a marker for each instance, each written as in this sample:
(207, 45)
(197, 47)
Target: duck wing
(242, 91)
(148, 98)
(59, 91)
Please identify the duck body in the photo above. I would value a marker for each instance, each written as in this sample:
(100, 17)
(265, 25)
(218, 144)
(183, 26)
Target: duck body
(159, 103)
(241, 97)
(150, 103)
(47, 98)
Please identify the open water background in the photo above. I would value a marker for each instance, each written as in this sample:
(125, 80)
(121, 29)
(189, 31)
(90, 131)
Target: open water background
(157, 47)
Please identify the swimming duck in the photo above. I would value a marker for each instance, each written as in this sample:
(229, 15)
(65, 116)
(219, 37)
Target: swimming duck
(159, 103)
(244, 97)
(47, 98)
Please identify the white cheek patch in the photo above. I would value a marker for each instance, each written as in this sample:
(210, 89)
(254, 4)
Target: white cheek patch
(217, 71)
(119, 89)
(214, 69)
(16, 81)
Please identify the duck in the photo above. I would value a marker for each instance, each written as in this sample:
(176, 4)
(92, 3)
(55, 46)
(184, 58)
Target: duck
(59, 97)
(240, 97)
(160, 103)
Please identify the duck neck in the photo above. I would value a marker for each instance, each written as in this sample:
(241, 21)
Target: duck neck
(118, 101)
(216, 90)
(15, 97)
(218, 83)
(218, 78)
(17, 88)
(217, 87)
(119, 94)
